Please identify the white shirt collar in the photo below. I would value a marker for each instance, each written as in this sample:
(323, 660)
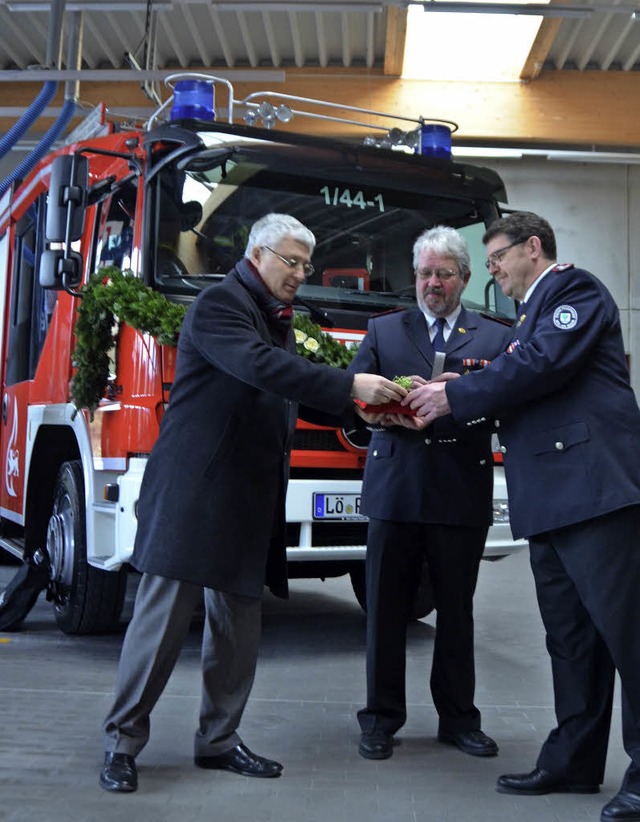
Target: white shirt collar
(450, 318)
(534, 284)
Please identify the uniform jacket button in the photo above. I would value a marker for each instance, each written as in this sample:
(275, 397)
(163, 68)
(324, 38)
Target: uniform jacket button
(427, 441)
(559, 446)
(496, 423)
(503, 449)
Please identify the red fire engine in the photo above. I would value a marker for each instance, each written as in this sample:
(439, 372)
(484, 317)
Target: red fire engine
(172, 202)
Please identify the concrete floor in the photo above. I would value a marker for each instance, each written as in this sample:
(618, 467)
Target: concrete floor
(55, 690)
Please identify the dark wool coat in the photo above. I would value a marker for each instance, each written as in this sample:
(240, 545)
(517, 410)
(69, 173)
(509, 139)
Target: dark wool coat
(443, 474)
(212, 501)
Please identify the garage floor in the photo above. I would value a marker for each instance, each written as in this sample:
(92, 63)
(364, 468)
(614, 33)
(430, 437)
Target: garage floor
(55, 690)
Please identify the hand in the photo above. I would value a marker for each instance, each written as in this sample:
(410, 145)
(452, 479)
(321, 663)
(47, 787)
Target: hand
(376, 390)
(369, 418)
(417, 380)
(429, 401)
(405, 420)
(446, 376)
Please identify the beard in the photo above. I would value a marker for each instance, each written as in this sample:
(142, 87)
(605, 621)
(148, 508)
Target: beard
(442, 306)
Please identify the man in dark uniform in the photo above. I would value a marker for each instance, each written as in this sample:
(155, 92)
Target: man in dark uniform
(211, 513)
(570, 431)
(429, 499)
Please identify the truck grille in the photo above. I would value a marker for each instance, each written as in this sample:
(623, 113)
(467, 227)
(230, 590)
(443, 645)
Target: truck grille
(316, 440)
(330, 533)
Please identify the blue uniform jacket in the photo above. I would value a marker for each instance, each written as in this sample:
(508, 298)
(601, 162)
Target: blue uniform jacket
(443, 474)
(569, 420)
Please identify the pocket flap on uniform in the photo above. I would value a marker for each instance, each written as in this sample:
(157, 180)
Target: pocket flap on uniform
(381, 448)
(562, 438)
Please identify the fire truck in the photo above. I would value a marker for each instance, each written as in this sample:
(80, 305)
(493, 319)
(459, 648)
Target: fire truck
(171, 201)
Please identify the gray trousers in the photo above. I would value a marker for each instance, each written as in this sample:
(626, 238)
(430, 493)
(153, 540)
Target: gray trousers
(161, 618)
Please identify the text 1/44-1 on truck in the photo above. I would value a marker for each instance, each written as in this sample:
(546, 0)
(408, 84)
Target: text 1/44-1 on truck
(172, 203)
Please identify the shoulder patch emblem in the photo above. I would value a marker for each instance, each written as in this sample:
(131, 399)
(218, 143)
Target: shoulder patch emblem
(565, 317)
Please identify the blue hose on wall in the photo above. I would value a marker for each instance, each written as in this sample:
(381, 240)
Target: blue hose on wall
(34, 156)
(29, 117)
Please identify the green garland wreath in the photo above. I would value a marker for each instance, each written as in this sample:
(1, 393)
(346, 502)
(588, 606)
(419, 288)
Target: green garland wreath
(318, 346)
(111, 297)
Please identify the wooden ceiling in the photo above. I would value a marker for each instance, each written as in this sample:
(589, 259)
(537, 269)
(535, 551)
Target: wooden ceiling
(579, 83)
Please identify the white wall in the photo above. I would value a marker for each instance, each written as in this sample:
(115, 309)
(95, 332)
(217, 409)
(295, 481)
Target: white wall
(594, 209)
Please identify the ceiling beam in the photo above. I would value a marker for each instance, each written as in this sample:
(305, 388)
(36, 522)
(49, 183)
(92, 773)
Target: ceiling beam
(396, 35)
(568, 108)
(540, 48)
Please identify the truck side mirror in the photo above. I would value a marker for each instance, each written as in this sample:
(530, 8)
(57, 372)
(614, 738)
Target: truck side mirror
(60, 270)
(67, 198)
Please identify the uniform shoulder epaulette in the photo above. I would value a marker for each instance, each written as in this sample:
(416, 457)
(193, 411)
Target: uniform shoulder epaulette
(562, 266)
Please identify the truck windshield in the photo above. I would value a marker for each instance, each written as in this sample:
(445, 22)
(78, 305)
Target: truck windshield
(365, 224)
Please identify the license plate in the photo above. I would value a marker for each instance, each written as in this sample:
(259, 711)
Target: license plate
(337, 506)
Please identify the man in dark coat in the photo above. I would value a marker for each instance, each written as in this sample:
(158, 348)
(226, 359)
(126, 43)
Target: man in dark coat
(570, 432)
(211, 513)
(428, 496)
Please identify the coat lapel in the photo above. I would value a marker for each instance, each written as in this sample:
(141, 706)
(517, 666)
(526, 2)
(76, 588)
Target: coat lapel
(417, 331)
(462, 332)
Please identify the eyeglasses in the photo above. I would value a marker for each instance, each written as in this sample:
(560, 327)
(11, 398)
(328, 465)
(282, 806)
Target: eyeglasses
(496, 257)
(293, 262)
(438, 273)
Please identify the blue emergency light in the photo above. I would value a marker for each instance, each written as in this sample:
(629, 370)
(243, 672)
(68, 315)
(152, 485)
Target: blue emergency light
(435, 140)
(193, 99)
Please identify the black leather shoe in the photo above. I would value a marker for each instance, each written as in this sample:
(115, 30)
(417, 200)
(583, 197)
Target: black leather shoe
(119, 773)
(376, 746)
(539, 782)
(475, 743)
(241, 760)
(624, 805)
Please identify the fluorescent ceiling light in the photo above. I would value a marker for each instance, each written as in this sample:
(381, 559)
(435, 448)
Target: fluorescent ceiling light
(467, 47)
(518, 7)
(551, 154)
(494, 153)
(89, 5)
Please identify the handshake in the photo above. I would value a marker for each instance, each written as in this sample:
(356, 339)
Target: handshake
(412, 402)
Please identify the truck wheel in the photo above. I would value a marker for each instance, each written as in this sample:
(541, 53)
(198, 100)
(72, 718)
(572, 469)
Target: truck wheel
(423, 604)
(86, 600)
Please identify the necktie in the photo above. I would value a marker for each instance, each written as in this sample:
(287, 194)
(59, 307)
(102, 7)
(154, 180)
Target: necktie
(438, 340)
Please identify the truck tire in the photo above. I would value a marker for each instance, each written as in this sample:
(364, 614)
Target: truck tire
(423, 604)
(86, 600)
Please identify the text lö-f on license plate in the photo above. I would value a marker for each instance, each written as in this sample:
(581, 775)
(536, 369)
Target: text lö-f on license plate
(337, 506)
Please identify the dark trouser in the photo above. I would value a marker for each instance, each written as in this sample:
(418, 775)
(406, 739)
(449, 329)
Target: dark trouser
(162, 615)
(395, 553)
(588, 585)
